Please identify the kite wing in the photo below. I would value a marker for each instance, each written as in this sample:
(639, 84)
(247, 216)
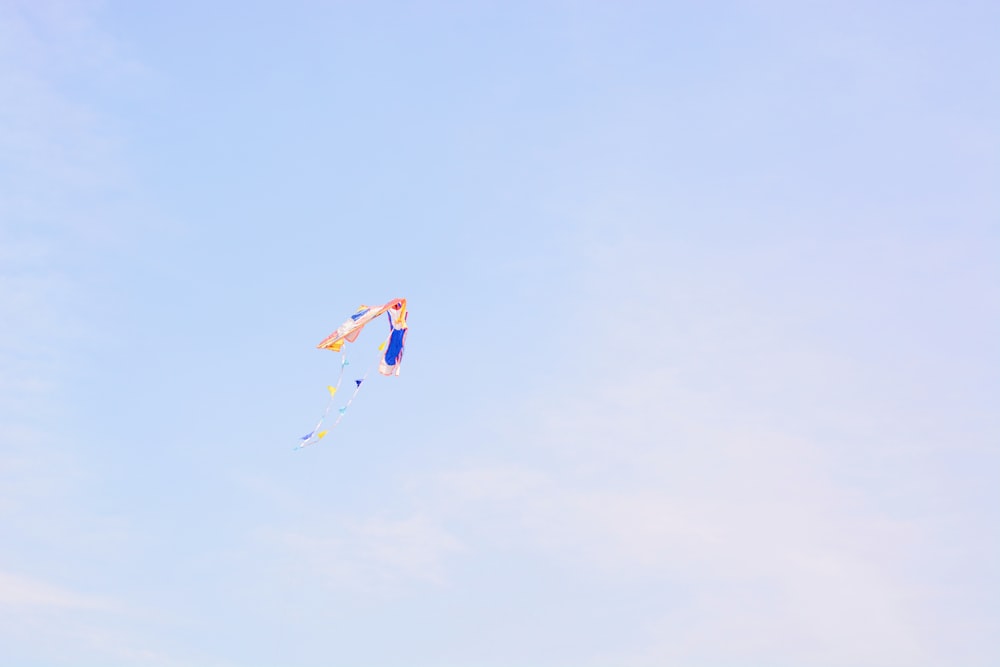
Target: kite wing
(349, 330)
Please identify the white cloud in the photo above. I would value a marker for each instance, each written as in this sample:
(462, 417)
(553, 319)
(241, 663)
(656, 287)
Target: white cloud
(770, 553)
(60, 172)
(732, 438)
(21, 591)
(375, 555)
(54, 624)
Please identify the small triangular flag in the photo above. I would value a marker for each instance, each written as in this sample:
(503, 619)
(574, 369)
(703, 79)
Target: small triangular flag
(358, 382)
(332, 390)
(342, 410)
(321, 434)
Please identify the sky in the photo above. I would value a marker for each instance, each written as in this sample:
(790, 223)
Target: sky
(702, 370)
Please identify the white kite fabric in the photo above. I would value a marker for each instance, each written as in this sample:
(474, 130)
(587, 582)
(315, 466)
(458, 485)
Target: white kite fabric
(389, 359)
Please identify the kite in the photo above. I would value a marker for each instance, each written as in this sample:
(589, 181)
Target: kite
(390, 356)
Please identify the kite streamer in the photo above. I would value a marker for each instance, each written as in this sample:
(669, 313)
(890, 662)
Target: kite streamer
(389, 359)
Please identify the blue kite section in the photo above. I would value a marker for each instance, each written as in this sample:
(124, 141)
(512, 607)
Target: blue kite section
(395, 348)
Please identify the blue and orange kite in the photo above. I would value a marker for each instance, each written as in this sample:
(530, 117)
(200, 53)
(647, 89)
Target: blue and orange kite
(390, 356)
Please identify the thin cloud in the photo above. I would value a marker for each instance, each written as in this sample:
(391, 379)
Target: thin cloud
(377, 555)
(21, 591)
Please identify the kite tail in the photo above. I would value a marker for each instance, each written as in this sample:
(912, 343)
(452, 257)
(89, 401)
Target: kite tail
(316, 434)
(357, 388)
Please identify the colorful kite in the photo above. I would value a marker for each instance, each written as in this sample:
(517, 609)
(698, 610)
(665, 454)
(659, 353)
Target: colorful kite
(390, 356)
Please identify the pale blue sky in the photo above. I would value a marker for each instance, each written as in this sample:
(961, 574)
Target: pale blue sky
(703, 361)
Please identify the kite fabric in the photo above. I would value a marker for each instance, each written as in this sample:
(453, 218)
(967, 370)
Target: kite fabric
(389, 359)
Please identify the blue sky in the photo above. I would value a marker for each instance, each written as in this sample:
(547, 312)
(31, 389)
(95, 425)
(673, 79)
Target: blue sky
(702, 368)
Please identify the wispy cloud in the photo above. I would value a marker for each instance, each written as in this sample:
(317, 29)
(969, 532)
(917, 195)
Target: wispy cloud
(60, 170)
(763, 546)
(58, 160)
(773, 467)
(378, 555)
(20, 591)
(66, 626)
